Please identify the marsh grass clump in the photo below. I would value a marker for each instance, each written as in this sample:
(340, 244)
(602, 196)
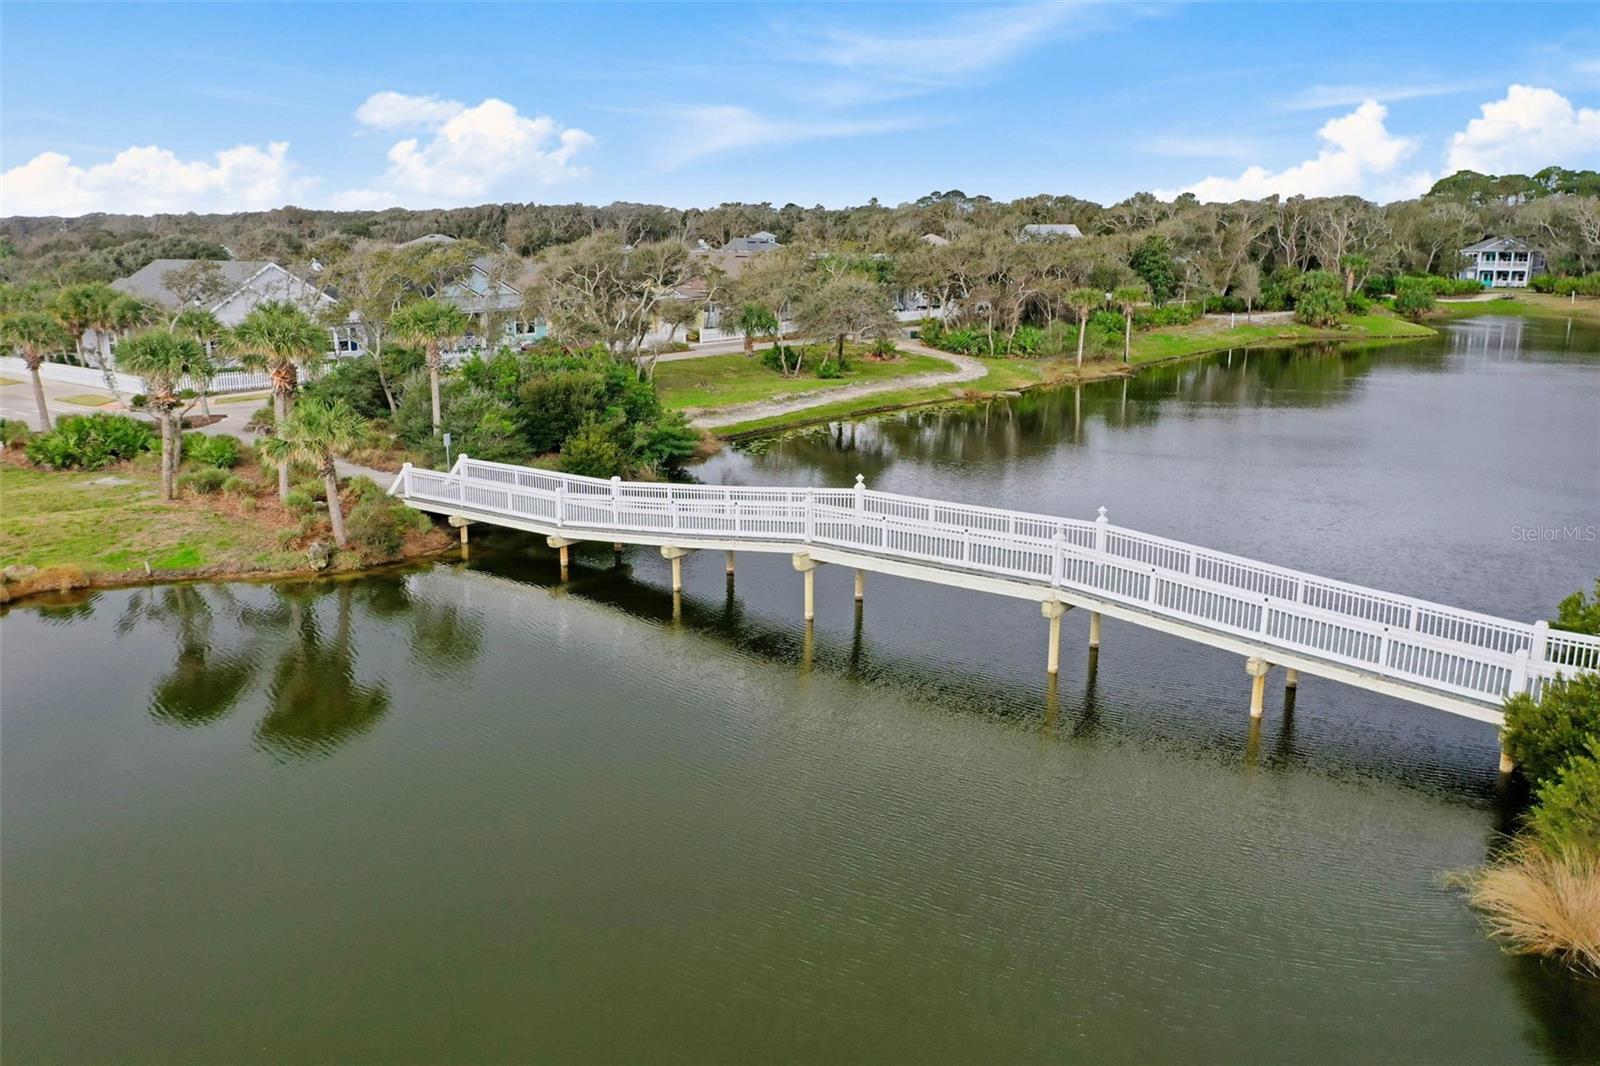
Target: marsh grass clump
(1540, 900)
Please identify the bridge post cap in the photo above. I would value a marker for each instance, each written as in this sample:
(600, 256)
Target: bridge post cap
(1256, 666)
(861, 481)
(616, 477)
(1102, 516)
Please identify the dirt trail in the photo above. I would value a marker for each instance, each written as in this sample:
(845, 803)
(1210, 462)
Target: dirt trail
(966, 368)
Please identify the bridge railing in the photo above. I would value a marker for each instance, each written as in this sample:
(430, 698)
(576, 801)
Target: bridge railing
(1445, 648)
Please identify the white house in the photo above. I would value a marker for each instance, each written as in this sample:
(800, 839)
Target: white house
(250, 282)
(484, 296)
(1501, 263)
(1050, 231)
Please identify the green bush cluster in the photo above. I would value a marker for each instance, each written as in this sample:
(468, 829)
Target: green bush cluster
(356, 381)
(1566, 284)
(14, 432)
(376, 526)
(1413, 298)
(90, 442)
(220, 451)
(205, 480)
(1379, 285)
(1541, 735)
(513, 405)
(1319, 298)
(1566, 811)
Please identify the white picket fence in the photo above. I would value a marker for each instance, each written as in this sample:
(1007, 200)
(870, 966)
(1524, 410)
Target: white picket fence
(1444, 649)
(130, 384)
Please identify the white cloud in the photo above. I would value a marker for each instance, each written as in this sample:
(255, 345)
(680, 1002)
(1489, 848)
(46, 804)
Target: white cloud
(469, 154)
(1316, 97)
(150, 180)
(391, 110)
(1358, 147)
(1528, 130)
(717, 128)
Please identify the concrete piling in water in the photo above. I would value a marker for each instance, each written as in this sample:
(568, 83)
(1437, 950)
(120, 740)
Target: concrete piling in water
(730, 563)
(861, 586)
(1291, 678)
(1257, 668)
(808, 566)
(675, 554)
(1094, 629)
(1053, 610)
(562, 545)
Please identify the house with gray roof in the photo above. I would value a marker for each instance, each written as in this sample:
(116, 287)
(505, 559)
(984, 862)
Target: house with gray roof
(248, 282)
(486, 296)
(1501, 263)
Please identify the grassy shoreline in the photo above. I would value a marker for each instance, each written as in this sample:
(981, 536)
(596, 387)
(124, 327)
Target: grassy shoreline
(66, 531)
(1152, 348)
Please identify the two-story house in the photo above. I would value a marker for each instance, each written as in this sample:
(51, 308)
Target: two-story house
(1501, 263)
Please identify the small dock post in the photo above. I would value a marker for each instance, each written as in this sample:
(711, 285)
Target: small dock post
(808, 566)
(675, 554)
(1257, 668)
(1053, 610)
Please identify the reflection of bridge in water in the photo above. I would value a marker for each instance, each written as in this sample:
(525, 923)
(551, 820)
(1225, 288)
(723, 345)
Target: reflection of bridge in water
(1427, 653)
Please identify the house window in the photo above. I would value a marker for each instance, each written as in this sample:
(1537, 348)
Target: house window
(1517, 275)
(1488, 257)
(1522, 257)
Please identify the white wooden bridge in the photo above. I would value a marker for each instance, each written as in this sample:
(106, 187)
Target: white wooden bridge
(1427, 653)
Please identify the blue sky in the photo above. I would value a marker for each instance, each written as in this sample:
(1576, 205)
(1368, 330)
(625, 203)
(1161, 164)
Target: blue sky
(234, 106)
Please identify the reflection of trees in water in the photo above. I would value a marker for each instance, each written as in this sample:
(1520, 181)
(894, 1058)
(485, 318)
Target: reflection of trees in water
(1563, 1009)
(315, 700)
(1036, 423)
(204, 683)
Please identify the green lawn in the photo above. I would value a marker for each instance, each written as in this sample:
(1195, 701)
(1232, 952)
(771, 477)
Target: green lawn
(1004, 375)
(1523, 302)
(52, 518)
(88, 399)
(725, 380)
(1208, 335)
(9, 381)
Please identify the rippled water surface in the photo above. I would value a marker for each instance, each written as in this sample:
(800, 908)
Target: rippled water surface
(475, 813)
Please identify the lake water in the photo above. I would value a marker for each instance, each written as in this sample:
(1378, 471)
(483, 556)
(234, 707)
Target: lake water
(472, 813)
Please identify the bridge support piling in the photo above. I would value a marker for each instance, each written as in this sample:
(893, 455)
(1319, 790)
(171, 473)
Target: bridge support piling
(730, 562)
(1053, 610)
(461, 524)
(675, 554)
(1291, 679)
(1257, 669)
(562, 544)
(1094, 629)
(861, 586)
(1506, 763)
(808, 566)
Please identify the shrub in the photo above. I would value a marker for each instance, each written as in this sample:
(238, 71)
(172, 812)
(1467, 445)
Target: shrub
(1413, 298)
(831, 369)
(204, 481)
(89, 442)
(286, 538)
(1175, 315)
(247, 504)
(773, 358)
(1578, 614)
(1319, 306)
(262, 420)
(1357, 304)
(237, 486)
(14, 432)
(356, 382)
(1566, 814)
(312, 487)
(299, 502)
(1541, 735)
(374, 528)
(221, 451)
(593, 451)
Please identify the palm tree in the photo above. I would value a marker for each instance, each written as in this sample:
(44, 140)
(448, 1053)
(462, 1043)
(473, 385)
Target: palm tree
(1127, 297)
(1083, 302)
(312, 433)
(162, 358)
(78, 307)
(33, 335)
(430, 323)
(203, 326)
(755, 321)
(280, 337)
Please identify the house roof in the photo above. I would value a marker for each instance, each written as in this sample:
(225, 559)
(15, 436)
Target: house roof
(1497, 244)
(146, 283)
(756, 242)
(1052, 229)
(934, 239)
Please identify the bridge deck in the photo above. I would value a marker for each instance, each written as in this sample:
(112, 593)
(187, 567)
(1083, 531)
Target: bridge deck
(1428, 653)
